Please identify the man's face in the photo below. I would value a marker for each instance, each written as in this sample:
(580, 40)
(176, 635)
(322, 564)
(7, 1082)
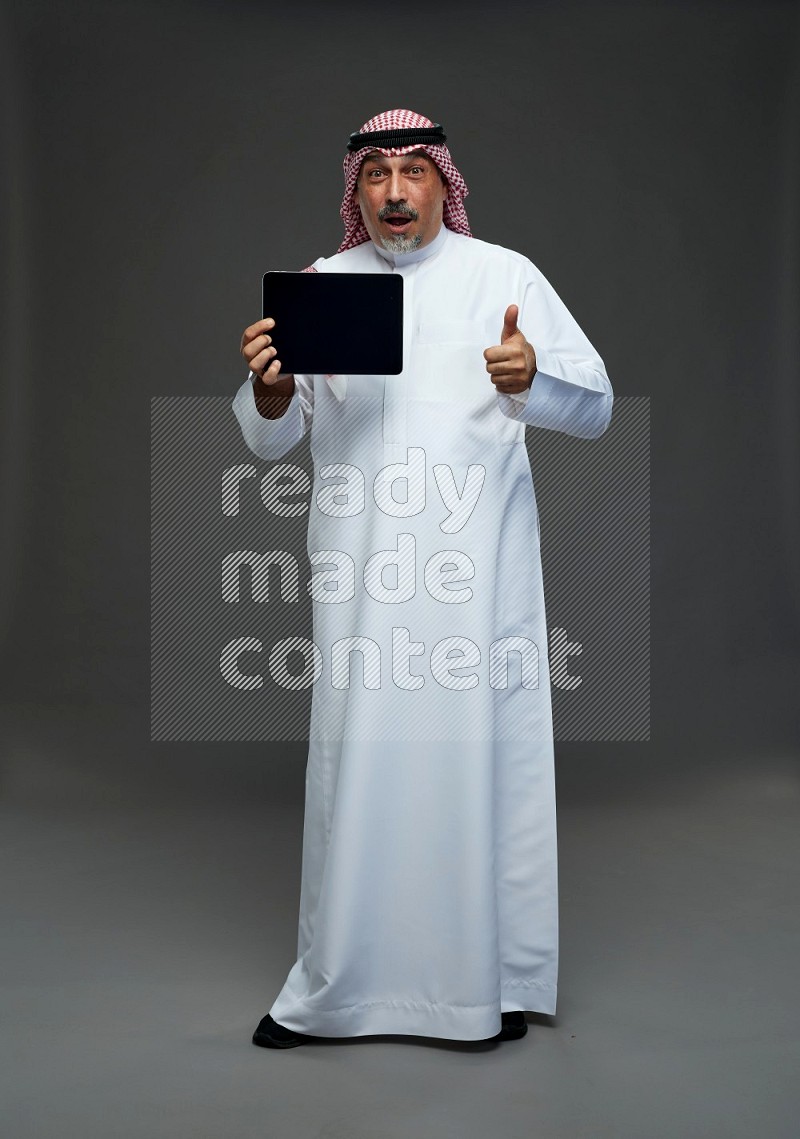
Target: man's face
(408, 188)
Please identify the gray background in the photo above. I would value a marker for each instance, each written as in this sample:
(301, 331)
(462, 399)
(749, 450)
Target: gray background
(157, 159)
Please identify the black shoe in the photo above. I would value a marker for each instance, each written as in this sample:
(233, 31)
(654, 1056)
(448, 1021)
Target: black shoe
(514, 1026)
(270, 1034)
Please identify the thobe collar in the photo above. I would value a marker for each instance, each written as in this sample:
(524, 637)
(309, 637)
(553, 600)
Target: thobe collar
(401, 259)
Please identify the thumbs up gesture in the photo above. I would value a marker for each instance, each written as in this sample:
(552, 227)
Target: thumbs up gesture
(512, 363)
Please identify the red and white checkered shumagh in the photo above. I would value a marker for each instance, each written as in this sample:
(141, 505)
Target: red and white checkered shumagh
(454, 216)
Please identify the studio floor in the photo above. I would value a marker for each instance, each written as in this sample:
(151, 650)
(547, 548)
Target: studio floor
(151, 905)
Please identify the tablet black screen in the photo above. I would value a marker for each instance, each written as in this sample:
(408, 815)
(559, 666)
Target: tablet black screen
(336, 323)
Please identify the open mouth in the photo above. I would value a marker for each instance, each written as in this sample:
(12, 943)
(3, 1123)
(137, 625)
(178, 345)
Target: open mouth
(398, 222)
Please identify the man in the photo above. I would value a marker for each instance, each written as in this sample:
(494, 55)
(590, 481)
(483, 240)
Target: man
(429, 885)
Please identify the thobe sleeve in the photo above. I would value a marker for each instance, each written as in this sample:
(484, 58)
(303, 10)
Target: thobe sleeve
(570, 391)
(272, 438)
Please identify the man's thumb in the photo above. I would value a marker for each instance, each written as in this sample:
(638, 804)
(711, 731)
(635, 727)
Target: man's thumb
(509, 323)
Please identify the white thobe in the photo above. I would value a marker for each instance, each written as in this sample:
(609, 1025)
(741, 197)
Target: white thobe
(429, 900)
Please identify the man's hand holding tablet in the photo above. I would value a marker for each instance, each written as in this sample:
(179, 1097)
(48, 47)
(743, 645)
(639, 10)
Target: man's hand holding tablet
(272, 388)
(330, 323)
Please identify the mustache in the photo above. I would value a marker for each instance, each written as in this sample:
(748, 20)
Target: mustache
(389, 211)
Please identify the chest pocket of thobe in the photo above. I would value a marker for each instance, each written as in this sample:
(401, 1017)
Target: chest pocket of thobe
(453, 367)
(454, 371)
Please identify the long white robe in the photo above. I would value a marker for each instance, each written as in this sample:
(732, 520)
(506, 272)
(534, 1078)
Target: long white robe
(429, 899)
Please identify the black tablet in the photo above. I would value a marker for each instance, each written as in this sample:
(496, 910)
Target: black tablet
(336, 323)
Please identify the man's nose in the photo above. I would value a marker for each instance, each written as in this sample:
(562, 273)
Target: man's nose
(394, 188)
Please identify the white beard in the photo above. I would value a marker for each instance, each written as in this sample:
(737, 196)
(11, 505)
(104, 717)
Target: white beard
(401, 244)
